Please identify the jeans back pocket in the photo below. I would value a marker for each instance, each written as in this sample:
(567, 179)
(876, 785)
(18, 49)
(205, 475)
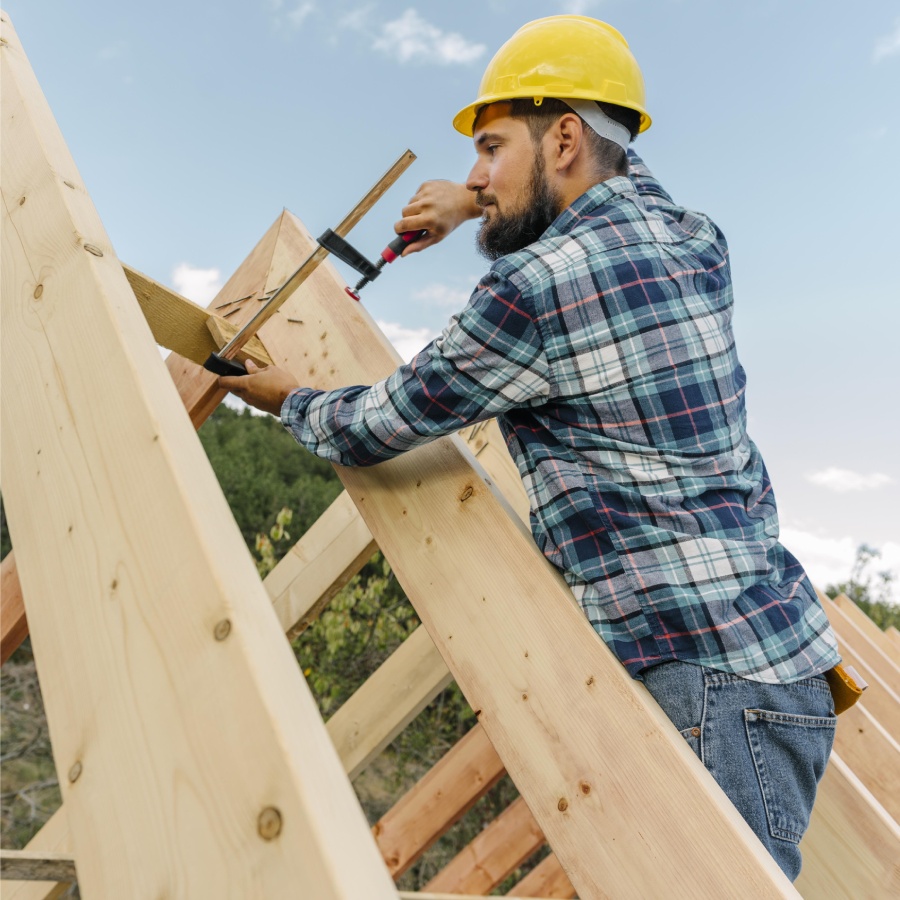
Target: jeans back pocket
(790, 753)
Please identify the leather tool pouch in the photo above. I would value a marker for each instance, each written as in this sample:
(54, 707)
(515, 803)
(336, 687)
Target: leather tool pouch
(846, 687)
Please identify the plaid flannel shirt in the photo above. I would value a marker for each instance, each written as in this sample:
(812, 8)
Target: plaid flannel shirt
(605, 349)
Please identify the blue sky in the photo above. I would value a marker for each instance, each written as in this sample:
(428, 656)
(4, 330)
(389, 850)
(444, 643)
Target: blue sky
(193, 124)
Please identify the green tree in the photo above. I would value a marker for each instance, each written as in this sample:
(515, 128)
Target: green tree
(870, 590)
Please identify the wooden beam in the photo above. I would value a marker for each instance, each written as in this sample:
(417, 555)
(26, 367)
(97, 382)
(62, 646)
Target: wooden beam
(604, 770)
(191, 756)
(546, 879)
(52, 838)
(876, 659)
(428, 895)
(34, 865)
(859, 618)
(852, 846)
(13, 621)
(871, 752)
(437, 801)
(481, 865)
(893, 635)
(332, 551)
(185, 327)
(399, 689)
(878, 699)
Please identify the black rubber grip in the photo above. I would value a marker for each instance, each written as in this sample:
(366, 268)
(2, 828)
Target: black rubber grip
(222, 366)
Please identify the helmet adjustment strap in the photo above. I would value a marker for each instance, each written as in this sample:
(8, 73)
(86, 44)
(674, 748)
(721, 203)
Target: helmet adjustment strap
(600, 122)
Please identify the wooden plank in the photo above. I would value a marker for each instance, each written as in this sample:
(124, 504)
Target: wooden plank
(878, 699)
(437, 801)
(546, 879)
(481, 865)
(34, 865)
(604, 770)
(331, 552)
(859, 618)
(191, 756)
(428, 895)
(401, 687)
(52, 838)
(864, 744)
(13, 622)
(852, 846)
(185, 327)
(893, 635)
(875, 658)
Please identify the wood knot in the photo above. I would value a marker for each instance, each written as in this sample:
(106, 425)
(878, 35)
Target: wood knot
(585, 788)
(75, 772)
(269, 823)
(466, 494)
(222, 629)
(38, 291)
(590, 681)
(563, 804)
(94, 251)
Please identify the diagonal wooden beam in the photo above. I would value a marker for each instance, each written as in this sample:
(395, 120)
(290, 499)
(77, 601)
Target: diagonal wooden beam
(858, 617)
(162, 666)
(872, 754)
(185, 327)
(481, 865)
(876, 659)
(852, 846)
(546, 879)
(500, 620)
(437, 801)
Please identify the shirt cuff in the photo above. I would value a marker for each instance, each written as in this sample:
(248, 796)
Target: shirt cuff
(294, 406)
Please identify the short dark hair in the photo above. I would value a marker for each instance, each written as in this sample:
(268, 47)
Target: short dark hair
(608, 157)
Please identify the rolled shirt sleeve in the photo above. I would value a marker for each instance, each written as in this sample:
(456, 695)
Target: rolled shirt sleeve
(488, 360)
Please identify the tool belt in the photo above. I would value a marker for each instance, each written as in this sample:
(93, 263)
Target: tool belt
(846, 687)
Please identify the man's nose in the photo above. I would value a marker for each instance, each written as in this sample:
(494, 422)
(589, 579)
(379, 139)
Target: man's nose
(478, 177)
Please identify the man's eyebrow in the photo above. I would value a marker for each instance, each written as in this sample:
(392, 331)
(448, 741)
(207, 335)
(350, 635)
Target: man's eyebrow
(486, 136)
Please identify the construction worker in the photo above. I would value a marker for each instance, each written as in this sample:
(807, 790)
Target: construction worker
(601, 340)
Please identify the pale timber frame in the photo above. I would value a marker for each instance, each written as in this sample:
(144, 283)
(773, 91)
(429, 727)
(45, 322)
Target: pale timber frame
(392, 496)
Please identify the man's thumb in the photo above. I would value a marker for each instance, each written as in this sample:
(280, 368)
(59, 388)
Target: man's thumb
(251, 367)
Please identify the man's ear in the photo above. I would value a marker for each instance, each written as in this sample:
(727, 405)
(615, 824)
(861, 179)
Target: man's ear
(567, 136)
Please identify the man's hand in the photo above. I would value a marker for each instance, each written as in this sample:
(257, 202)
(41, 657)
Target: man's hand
(266, 389)
(438, 207)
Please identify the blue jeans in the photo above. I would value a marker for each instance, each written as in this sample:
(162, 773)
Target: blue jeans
(765, 744)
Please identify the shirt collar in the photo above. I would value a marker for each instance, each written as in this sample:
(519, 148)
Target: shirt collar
(588, 203)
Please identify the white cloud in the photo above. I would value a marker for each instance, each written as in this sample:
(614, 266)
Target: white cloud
(888, 44)
(829, 560)
(199, 285)
(407, 341)
(299, 15)
(443, 296)
(845, 480)
(411, 39)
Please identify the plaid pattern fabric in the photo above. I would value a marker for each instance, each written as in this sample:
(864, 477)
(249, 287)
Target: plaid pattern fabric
(605, 349)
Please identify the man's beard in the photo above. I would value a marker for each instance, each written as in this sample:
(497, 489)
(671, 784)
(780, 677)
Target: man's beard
(507, 232)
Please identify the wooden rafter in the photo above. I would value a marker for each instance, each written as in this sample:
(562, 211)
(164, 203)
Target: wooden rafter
(162, 666)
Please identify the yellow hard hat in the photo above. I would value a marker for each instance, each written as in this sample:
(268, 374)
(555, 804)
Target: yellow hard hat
(572, 57)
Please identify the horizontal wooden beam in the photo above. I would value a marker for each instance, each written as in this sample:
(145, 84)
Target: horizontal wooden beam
(52, 838)
(399, 689)
(481, 865)
(333, 550)
(34, 865)
(438, 800)
(13, 622)
(546, 879)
